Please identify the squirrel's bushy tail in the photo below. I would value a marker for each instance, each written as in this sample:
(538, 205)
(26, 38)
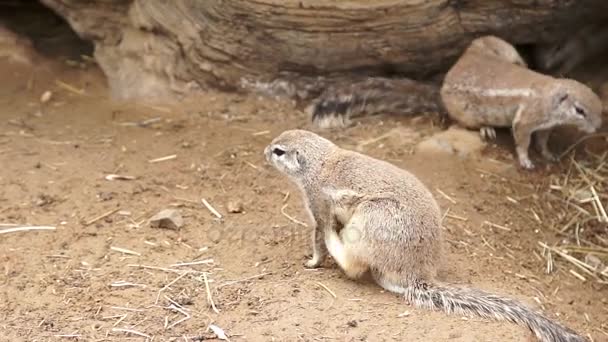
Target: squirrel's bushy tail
(468, 301)
(339, 103)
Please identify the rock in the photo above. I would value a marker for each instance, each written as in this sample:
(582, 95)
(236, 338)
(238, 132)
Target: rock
(46, 96)
(582, 194)
(234, 206)
(593, 261)
(105, 196)
(168, 218)
(43, 200)
(453, 141)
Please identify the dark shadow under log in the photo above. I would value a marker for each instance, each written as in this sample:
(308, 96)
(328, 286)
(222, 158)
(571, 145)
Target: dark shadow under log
(154, 48)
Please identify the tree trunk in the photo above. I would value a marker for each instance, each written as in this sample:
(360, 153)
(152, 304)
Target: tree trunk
(153, 48)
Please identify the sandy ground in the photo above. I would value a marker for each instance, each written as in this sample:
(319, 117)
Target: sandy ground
(105, 275)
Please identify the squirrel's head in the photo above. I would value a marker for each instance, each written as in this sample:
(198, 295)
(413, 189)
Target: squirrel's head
(298, 153)
(576, 104)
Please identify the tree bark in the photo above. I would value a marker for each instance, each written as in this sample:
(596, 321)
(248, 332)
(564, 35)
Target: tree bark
(153, 48)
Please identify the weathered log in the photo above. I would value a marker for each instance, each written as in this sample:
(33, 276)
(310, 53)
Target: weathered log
(150, 48)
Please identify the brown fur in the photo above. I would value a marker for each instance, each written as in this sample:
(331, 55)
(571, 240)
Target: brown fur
(373, 216)
(490, 87)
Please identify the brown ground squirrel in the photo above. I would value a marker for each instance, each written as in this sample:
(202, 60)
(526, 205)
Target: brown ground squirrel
(371, 215)
(489, 86)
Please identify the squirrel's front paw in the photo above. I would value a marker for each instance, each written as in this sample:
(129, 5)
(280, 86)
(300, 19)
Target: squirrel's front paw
(313, 263)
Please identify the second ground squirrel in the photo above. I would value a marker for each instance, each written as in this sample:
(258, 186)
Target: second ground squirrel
(490, 86)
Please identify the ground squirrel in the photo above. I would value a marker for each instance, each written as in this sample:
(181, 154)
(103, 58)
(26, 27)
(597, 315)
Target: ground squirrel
(371, 215)
(490, 86)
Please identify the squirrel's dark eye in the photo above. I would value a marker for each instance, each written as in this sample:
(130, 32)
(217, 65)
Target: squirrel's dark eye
(579, 110)
(277, 151)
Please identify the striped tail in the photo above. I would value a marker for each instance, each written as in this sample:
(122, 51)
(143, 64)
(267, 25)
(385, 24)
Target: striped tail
(467, 301)
(338, 104)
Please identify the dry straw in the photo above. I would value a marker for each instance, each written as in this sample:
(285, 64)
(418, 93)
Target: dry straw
(576, 201)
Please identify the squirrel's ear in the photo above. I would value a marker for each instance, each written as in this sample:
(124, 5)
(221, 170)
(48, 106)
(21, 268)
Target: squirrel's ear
(300, 159)
(560, 96)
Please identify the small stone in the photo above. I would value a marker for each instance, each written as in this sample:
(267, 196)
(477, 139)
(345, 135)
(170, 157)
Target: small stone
(43, 200)
(184, 300)
(46, 96)
(352, 324)
(582, 194)
(593, 261)
(168, 218)
(234, 207)
(105, 196)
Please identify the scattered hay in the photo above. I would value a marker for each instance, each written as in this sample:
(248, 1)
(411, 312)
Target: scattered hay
(575, 206)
